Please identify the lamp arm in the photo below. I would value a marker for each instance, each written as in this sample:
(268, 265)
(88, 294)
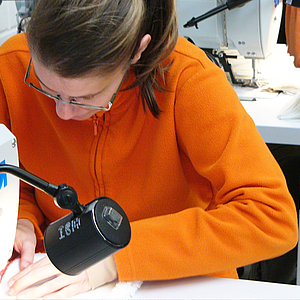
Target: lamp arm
(64, 196)
(230, 4)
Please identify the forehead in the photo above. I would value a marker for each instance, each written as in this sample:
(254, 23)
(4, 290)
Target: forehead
(87, 84)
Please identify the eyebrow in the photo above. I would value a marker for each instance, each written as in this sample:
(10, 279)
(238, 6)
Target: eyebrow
(85, 96)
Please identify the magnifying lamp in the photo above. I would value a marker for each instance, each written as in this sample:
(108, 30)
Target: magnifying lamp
(84, 237)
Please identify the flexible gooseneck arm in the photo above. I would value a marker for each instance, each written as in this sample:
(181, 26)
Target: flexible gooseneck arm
(63, 195)
(230, 4)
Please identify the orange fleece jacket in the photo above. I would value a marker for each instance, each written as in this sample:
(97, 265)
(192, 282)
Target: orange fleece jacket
(292, 31)
(202, 192)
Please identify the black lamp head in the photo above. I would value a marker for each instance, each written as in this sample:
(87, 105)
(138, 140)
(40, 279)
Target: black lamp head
(295, 3)
(76, 242)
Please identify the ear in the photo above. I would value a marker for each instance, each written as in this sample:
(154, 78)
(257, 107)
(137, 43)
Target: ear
(143, 46)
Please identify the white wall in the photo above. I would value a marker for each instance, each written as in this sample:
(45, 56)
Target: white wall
(8, 20)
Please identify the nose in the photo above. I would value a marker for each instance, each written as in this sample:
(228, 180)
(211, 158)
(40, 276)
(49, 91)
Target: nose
(65, 111)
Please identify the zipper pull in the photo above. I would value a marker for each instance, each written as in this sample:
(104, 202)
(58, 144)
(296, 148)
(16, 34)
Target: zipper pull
(95, 122)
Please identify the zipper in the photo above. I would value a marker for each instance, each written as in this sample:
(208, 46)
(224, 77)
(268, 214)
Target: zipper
(95, 123)
(100, 134)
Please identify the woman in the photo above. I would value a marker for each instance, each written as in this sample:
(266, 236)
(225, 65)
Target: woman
(149, 121)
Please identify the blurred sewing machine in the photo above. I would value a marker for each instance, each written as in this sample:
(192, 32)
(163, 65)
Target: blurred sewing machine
(227, 30)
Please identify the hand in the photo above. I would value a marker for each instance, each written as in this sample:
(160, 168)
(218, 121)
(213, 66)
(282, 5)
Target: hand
(52, 284)
(25, 242)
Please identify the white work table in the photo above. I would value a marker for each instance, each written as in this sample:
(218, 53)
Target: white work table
(200, 287)
(264, 112)
(216, 288)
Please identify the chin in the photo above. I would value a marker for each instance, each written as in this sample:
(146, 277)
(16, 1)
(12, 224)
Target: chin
(80, 118)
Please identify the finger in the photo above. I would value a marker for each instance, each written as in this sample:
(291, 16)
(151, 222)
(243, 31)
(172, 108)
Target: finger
(27, 255)
(60, 287)
(39, 271)
(39, 291)
(22, 273)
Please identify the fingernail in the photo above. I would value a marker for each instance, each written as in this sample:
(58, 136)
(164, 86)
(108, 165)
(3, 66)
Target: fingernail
(10, 292)
(11, 282)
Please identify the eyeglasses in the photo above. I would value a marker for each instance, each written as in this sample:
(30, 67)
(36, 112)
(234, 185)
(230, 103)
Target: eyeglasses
(74, 101)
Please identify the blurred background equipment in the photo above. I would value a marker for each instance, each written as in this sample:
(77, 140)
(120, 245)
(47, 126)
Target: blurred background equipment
(251, 29)
(24, 12)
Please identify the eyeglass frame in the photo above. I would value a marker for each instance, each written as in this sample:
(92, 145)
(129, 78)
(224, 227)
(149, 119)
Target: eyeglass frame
(73, 101)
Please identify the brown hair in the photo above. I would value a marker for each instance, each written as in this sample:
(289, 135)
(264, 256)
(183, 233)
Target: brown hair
(78, 37)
